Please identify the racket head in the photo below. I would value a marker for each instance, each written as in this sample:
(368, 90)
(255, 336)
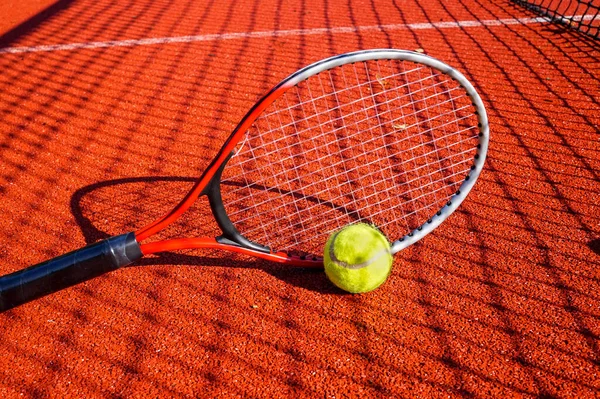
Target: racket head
(388, 137)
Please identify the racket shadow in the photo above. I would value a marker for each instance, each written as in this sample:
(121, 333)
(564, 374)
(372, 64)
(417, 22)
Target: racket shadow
(111, 207)
(306, 278)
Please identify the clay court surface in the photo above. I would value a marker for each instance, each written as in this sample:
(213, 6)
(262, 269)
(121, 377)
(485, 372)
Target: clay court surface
(109, 111)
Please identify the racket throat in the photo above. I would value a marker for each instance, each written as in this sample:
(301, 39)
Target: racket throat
(231, 235)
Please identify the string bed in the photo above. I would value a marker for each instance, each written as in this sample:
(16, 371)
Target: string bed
(385, 142)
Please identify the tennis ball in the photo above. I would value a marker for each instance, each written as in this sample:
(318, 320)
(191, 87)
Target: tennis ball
(357, 258)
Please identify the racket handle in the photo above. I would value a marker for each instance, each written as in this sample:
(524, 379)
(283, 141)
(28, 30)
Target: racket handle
(67, 270)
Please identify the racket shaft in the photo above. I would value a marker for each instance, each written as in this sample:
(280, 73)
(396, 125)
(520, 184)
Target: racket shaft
(67, 270)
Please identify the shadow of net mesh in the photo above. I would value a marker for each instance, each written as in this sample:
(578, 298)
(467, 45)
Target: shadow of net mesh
(381, 142)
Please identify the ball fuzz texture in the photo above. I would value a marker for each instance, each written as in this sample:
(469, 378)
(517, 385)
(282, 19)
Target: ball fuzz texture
(357, 258)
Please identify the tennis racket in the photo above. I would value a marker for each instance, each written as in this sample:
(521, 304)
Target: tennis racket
(388, 137)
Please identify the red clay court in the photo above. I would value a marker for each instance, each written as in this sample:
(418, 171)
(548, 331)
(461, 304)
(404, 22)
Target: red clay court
(110, 110)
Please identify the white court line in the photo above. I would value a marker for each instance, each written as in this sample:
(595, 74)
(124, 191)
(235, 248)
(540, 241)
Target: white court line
(281, 33)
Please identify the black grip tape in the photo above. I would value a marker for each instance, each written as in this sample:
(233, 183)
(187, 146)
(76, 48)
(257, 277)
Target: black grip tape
(67, 270)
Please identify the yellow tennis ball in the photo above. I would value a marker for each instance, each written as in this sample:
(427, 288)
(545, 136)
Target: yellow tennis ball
(357, 258)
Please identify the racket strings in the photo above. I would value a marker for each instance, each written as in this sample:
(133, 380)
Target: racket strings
(434, 183)
(368, 198)
(371, 175)
(393, 125)
(309, 151)
(359, 101)
(384, 142)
